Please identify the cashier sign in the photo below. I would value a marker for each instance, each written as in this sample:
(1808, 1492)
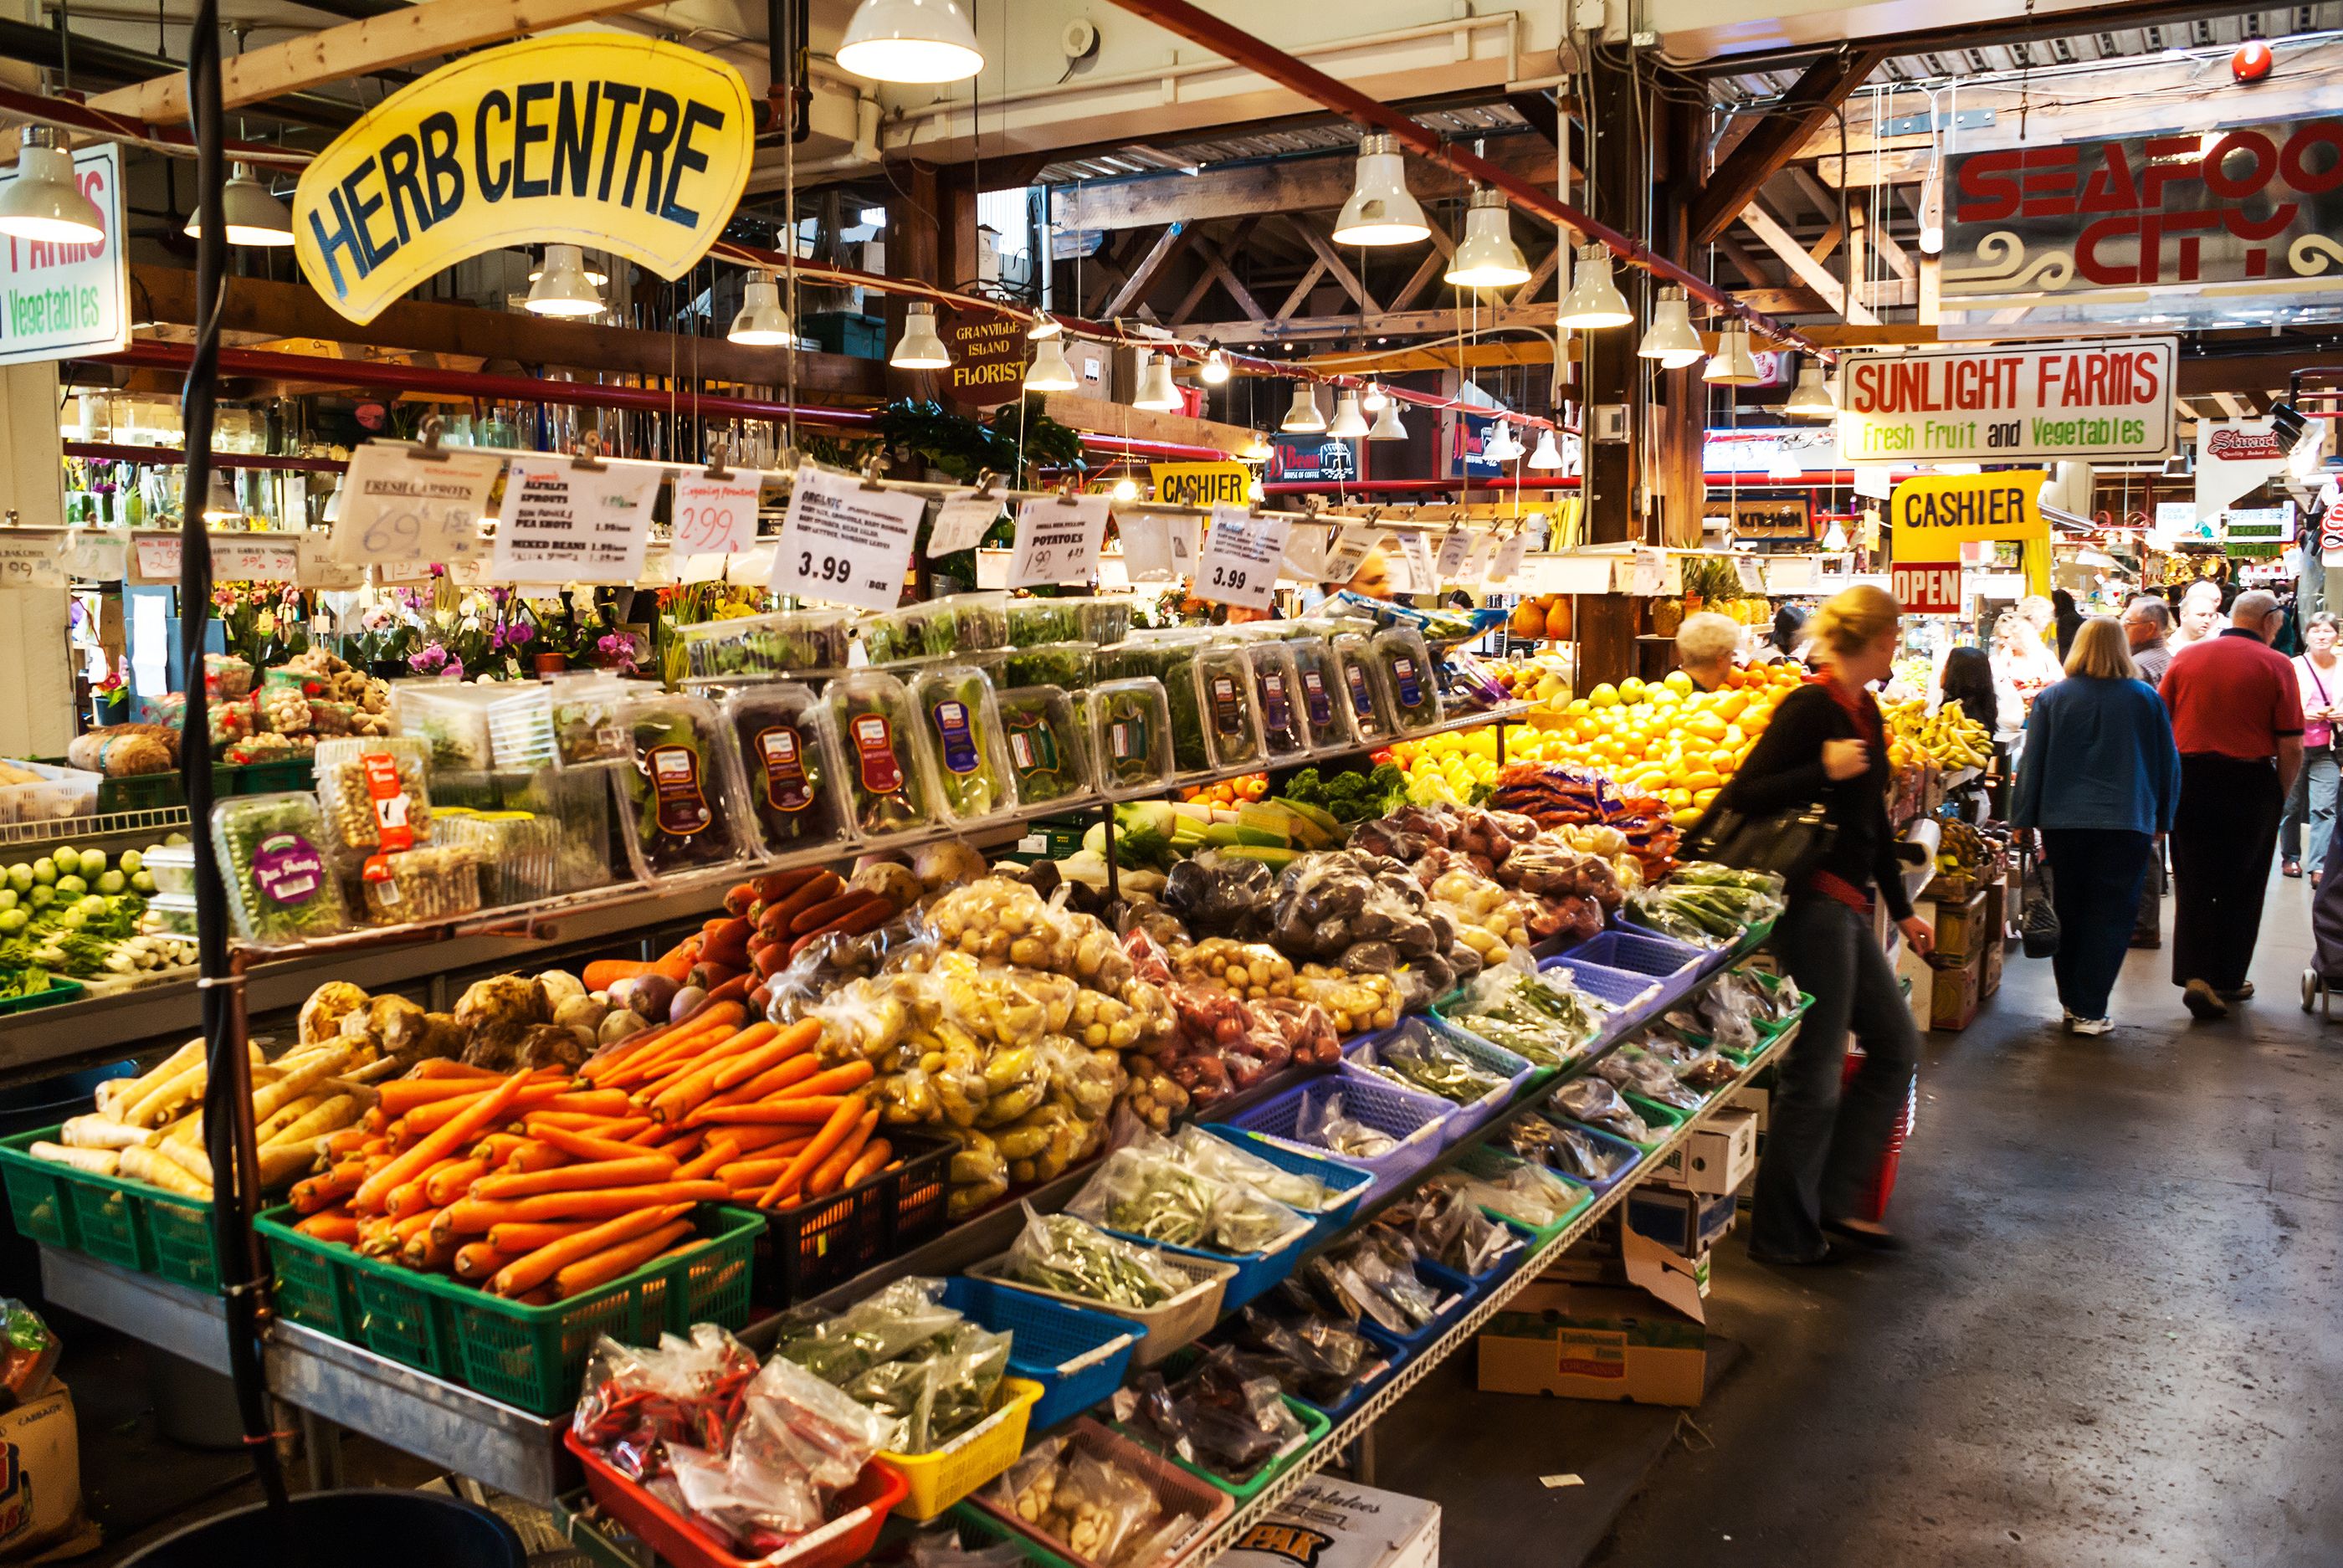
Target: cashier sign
(603, 139)
(1936, 514)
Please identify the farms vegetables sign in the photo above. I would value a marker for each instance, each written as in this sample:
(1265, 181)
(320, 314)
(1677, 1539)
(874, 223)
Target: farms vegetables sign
(602, 139)
(2105, 399)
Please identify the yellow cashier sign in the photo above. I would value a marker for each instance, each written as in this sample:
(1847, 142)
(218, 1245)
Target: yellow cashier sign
(1936, 514)
(603, 139)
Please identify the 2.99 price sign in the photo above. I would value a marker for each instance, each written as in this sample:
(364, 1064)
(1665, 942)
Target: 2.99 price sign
(1242, 552)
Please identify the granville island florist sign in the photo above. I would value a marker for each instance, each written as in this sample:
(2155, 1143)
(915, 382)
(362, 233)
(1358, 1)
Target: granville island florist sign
(603, 139)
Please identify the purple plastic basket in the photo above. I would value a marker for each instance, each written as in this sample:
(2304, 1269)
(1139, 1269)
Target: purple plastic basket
(1636, 952)
(1417, 1121)
(1471, 1116)
(1635, 1000)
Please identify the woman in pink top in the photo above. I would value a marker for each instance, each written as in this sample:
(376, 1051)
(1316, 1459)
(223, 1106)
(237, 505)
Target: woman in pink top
(2320, 674)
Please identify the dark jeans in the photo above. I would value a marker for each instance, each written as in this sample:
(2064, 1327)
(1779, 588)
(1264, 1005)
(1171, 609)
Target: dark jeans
(2222, 841)
(2312, 801)
(2095, 879)
(1822, 1145)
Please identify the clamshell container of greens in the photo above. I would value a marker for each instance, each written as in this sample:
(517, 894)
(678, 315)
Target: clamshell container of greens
(967, 753)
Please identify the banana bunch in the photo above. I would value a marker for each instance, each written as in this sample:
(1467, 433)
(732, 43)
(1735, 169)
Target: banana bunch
(1960, 849)
(1947, 739)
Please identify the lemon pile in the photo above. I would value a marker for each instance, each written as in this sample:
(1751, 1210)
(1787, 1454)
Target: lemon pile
(1947, 739)
(1445, 770)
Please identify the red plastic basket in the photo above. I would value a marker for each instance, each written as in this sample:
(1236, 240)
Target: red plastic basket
(847, 1539)
(1871, 1203)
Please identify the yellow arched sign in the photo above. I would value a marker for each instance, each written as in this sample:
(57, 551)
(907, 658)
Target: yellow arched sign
(1935, 515)
(621, 142)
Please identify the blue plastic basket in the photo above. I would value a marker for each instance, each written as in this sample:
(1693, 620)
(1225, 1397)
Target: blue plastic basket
(1255, 1272)
(1416, 1120)
(1458, 1300)
(1517, 1070)
(1348, 1181)
(1635, 1000)
(1711, 959)
(1636, 953)
(1487, 1164)
(1078, 1357)
(1475, 1286)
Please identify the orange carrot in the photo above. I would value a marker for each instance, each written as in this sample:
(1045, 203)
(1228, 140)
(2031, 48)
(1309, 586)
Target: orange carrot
(707, 1160)
(446, 1184)
(873, 1160)
(348, 1140)
(448, 1067)
(518, 1238)
(585, 1145)
(476, 1116)
(331, 1225)
(471, 1216)
(837, 1081)
(425, 1251)
(828, 1176)
(409, 1226)
(478, 1260)
(687, 1038)
(498, 1147)
(798, 1036)
(594, 1125)
(600, 1268)
(841, 1121)
(408, 1197)
(766, 1084)
(671, 1102)
(528, 1272)
(313, 1193)
(410, 1093)
(639, 1172)
(604, 973)
(796, 1110)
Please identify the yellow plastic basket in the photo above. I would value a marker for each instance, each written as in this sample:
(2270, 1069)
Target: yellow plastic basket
(942, 1478)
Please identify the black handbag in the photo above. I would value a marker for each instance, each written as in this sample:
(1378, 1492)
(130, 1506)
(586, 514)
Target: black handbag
(2038, 932)
(1790, 842)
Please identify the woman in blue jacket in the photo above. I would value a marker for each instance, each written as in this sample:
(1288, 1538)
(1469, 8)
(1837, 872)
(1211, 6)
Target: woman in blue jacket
(2099, 778)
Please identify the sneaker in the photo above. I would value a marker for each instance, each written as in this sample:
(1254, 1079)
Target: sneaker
(2090, 1025)
(2202, 1000)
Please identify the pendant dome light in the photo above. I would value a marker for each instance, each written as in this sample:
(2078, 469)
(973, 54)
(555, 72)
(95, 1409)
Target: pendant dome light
(1374, 398)
(1050, 371)
(249, 213)
(761, 323)
(1387, 426)
(1548, 456)
(914, 41)
(1731, 364)
(1671, 339)
(1044, 327)
(44, 201)
(919, 349)
(1380, 211)
(1810, 400)
(1593, 299)
(1256, 449)
(1126, 489)
(1347, 422)
(562, 287)
(1215, 370)
(1304, 417)
(1501, 444)
(1487, 258)
(1156, 389)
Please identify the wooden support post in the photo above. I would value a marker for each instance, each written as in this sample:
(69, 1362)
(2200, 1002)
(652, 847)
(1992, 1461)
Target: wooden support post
(1607, 623)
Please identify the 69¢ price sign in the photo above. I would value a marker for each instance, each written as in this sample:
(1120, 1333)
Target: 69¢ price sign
(1242, 552)
(844, 542)
(393, 506)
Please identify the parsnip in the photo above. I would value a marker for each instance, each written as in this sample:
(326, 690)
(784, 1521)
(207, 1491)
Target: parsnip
(286, 1116)
(102, 1133)
(190, 1158)
(268, 1101)
(96, 1162)
(321, 1119)
(130, 1090)
(153, 1107)
(147, 1165)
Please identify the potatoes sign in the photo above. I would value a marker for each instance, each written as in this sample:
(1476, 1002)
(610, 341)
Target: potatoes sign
(602, 139)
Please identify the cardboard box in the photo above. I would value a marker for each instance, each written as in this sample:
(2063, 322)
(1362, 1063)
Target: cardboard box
(1960, 926)
(1958, 994)
(1757, 1101)
(1645, 1342)
(1333, 1524)
(1686, 1223)
(1920, 982)
(42, 1499)
(1593, 1260)
(1720, 1155)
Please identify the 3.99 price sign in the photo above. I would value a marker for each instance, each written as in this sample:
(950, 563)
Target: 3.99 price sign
(1242, 552)
(844, 543)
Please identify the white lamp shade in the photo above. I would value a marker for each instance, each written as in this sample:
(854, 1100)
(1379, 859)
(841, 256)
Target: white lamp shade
(919, 349)
(1050, 371)
(1731, 364)
(1126, 489)
(910, 40)
(1502, 446)
(1593, 299)
(1671, 339)
(1215, 371)
(1304, 417)
(44, 201)
(1374, 399)
(1487, 258)
(220, 504)
(1811, 399)
(1380, 211)
(1156, 389)
(1387, 426)
(1043, 326)
(248, 213)
(562, 287)
(761, 323)
(1834, 537)
(1548, 454)
(1347, 422)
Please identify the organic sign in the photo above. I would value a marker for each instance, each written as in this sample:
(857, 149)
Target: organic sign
(2110, 399)
(58, 300)
(988, 358)
(603, 139)
(1936, 514)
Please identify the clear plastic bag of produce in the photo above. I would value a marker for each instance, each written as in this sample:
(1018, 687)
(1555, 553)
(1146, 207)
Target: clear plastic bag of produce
(1216, 1413)
(1521, 1191)
(1533, 1013)
(1062, 1253)
(1372, 1278)
(798, 1442)
(1598, 1104)
(1632, 1070)
(1450, 1228)
(1146, 1190)
(1418, 1056)
(1222, 1161)
(639, 1399)
(942, 1549)
(1323, 1118)
(1070, 1496)
(839, 1347)
(28, 1353)
(1568, 1149)
(938, 1390)
(1313, 1354)
(1221, 895)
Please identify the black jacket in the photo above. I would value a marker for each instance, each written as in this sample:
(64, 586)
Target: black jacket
(1785, 769)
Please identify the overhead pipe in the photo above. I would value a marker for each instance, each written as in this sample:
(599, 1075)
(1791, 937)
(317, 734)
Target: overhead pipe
(81, 119)
(1199, 26)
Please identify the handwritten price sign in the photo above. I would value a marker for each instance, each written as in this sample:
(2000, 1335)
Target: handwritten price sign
(1059, 540)
(31, 558)
(1241, 557)
(397, 507)
(716, 516)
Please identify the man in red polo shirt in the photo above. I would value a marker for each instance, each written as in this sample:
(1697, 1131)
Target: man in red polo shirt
(2236, 715)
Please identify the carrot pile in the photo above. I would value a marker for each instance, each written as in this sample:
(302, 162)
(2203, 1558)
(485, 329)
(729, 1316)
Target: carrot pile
(540, 1185)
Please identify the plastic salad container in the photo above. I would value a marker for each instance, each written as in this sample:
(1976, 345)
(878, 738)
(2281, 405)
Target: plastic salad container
(1228, 706)
(1035, 621)
(1325, 713)
(1049, 751)
(960, 726)
(964, 622)
(585, 726)
(877, 743)
(680, 785)
(1104, 620)
(1361, 678)
(1068, 666)
(892, 635)
(1277, 691)
(172, 867)
(1410, 677)
(1170, 658)
(273, 853)
(1130, 727)
(777, 644)
(790, 764)
(372, 791)
(173, 914)
(450, 716)
(519, 853)
(430, 883)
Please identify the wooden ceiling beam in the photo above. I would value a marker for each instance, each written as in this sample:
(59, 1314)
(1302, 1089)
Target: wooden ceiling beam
(1805, 267)
(1773, 140)
(1389, 323)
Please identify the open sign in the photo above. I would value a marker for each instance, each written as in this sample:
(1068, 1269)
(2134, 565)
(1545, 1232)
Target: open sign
(1927, 588)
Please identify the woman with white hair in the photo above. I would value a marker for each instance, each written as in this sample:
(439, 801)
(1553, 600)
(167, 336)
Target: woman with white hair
(1705, 645)
(2022, 661)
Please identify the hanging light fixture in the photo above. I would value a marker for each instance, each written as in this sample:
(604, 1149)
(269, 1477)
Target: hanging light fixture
(1548, 456)
(1374, 399)
(1593, 299)
(1156, 389)
(1834, 537)
(1126, 489)
(919, 349)
(1387, 426)
(1731, 364)
(1501, 444)
(1044, 327)
(1671, 339)
(1304, 417)
(1380, 211)
(249, 213)
(761, 323)
(1487, 258)
(918, 41)
(220, 505)
(562, 287)
(1256, 449)
(1932, 209)
(1215, 371)
(45, 200)
(1050, 371)
(1347, 422)
(1810, 400)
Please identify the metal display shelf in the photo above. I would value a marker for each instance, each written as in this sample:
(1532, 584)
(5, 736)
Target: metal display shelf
(31, 836)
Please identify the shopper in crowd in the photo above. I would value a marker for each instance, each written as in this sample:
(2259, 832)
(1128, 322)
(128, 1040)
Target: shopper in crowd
(2066, 618)
(1967, 678)
(1826, 746)
(2099, 778)
(2318, 683)
(2022, 662)
(1705, 644)
(2148, 627)
(2237, 716)
(1374, 577)
(2200, 614)
(1789, 639)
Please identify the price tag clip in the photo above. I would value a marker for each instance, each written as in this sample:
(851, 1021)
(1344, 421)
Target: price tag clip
(871, 470)
(427, 448)
(718, 448)
(1066, 495)
(587, 457)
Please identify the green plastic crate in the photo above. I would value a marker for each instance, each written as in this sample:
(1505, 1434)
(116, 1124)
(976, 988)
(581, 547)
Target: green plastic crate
(182, 1233)
(295, 773)
(977, 1530)
(531, 1357)
(59, 1206)
(140, 792)
(1315, 1425)
(59, 991)
(1487, 1164)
